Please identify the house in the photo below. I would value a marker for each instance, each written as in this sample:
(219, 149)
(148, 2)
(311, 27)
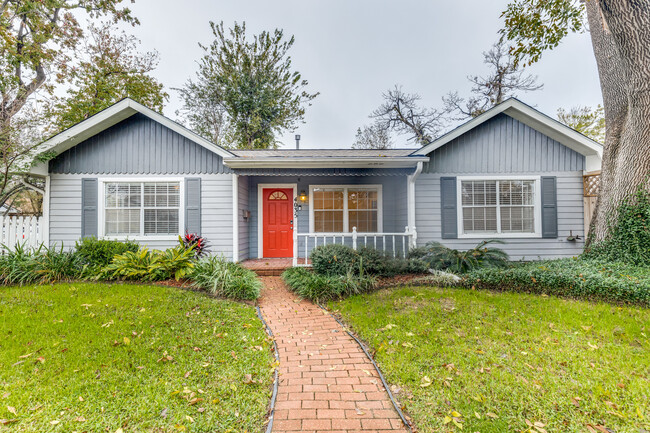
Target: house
(511, 173)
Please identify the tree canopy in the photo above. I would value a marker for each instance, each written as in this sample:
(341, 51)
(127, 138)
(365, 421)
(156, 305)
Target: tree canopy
(246, 92)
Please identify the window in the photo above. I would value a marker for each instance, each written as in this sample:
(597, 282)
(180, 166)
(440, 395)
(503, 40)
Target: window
(338, 209)
(502, 207)
(142, 208)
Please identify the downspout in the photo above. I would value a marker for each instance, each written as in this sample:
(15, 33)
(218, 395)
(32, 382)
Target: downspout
(411, 178)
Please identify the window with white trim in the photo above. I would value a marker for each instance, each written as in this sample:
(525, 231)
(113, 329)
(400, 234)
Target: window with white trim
(498, 206)
(338, 209)
(142, 208)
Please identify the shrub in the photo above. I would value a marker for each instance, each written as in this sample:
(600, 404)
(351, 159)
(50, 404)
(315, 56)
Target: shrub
(377, 262)
(227, 279)
(196, 242)
(337, 259)
(319, 288)
(575, 278)
(334, 259)
(43, 265)
(150, 265)
(100, 252)
(440, 257)
(629, 234)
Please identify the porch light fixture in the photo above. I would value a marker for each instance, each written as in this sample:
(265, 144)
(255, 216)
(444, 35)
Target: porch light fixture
(303, 196)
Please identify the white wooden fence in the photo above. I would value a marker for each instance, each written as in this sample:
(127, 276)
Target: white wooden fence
(27, 231)
(394, 244)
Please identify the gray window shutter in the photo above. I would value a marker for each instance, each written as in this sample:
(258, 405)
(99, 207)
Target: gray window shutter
(448, 208)
(89, 192)
(549, 207)
(193, 205)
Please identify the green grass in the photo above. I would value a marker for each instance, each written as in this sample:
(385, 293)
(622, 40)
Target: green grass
(517, 357)
(100, 357)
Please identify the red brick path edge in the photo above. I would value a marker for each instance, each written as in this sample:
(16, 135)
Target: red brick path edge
(326, 381)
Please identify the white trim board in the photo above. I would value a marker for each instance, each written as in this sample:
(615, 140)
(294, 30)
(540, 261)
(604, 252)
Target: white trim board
(488, 235)
(346, 216)
(260, 216)
(537, 120)
(325, 162)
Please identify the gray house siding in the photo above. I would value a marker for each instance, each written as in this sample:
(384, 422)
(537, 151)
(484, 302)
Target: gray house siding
(138, 145)
(243, 224)
(393, 200)
(216, 213)
(503, 145)
(569, 209)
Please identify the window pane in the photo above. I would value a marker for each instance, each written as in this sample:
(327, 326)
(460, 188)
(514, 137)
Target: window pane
(480, 219)
(161, 221)
(518, 219)
(122, 222)
(364, 221)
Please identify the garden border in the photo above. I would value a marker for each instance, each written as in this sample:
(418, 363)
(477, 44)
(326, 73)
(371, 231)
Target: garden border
(274, 395)
(372, 360)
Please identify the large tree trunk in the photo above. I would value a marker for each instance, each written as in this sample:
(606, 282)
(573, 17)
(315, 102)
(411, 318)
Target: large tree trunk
(620, 32)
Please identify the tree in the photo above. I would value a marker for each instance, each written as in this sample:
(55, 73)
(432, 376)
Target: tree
(372, 137)
(504, 80)
(587, 121)
(620, 35)
(401, 113)
(36, 40)
(245, 90)
(109, 68)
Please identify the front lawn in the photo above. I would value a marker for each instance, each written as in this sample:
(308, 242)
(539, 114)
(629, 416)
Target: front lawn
(101, 357)
(497, 362)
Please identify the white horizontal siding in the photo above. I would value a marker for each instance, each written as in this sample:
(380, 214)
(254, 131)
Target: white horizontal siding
(569, 209)
(216, 213)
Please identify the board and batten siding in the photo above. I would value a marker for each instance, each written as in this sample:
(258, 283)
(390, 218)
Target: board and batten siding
(569, 214)
(138, 145)
(216, 212)
(503, 145)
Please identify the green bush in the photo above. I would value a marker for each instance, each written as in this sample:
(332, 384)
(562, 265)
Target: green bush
(377, 262)
(629, 239)
(575, 278)
(319, 288)
(334, 259)
(100, 252)
(43, 265)
(150, 265)
(227, 279)
(440, 257)
(337, 259)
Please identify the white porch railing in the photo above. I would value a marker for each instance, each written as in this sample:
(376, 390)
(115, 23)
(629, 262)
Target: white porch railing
(395, 244)
(27, 231)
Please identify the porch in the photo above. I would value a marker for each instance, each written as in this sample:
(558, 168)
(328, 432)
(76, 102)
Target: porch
(283, 214)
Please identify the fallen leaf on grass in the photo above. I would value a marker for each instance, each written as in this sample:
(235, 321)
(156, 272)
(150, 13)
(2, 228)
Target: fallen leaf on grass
(26, 356)
(8, 421)
(195, 401)
(127, 341)
(186, 375)
(163, 413)
(55, 422)
(12, 410)
(80, 419)
(248, 379)
(492, 415)
(201, 409)
(425, 382)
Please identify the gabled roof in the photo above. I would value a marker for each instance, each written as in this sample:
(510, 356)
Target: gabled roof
(531, 117)
(114, 114)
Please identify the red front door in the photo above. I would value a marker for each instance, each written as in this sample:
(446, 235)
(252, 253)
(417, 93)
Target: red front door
(277, 222)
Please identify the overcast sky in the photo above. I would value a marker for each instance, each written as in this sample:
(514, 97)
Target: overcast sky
(352, 50)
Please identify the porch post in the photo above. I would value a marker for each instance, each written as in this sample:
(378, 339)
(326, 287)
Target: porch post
(410, 199)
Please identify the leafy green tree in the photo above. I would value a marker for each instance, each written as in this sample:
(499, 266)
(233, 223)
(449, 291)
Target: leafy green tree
(37, 39)
(245, 90)
(109, 68)
(620, 36)
(587, 121)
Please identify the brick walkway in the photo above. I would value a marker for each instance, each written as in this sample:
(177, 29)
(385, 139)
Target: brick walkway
(327, 384)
